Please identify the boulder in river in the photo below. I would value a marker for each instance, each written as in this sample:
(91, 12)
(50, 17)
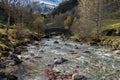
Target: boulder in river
(42, 51)
(36, 43)
(16, 59)
(60, 61)
(116, 52)
(37, 57)
(17, 50)
(5, 53)
(11, 77)
(86, 52)
(77, 76)
(56, 42)
(2, 66)
(76, 47)
(94, 43)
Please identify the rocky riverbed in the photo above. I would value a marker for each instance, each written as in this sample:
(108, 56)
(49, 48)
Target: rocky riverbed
(59, 59)
(94, 63)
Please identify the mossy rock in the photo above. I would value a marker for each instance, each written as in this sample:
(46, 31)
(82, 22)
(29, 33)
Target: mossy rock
(2, 26)
(3, 47)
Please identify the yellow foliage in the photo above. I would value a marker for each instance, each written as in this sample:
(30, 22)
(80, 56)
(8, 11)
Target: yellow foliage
(75, 36)
(67, 22)
(2, 31)
(3, 46)
(75, 19)
(37, 24)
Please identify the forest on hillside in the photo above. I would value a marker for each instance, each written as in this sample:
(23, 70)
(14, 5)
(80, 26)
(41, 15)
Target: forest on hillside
(90, 19)
(34, 35)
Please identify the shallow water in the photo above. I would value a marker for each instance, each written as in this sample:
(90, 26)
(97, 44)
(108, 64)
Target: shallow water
(97, 63)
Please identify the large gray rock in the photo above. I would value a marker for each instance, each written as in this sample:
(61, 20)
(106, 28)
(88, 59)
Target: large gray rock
(60, 60)
(77, 76)
(56, 42)
(116, 52)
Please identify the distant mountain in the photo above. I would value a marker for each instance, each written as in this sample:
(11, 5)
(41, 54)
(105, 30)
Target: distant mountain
(44, 6)
(51, 2)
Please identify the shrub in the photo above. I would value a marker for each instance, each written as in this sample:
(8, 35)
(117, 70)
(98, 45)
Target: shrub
(38, 25)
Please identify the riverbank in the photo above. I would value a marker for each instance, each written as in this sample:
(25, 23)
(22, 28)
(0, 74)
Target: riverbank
(11, 45)
(38, 56)
(112, 42)
(12, 39)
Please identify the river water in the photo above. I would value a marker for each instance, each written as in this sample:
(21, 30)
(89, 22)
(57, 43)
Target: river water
(95, 63)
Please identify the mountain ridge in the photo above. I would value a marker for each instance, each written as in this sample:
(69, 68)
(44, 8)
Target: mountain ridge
(48, 5)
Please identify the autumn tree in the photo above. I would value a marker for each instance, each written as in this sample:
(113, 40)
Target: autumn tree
(39, 25)
(7, 8)
(68, 22)
(14, 9)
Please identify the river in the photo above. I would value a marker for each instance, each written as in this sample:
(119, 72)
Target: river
(95, 63)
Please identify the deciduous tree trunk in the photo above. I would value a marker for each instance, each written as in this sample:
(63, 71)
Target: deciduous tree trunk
(8, 24)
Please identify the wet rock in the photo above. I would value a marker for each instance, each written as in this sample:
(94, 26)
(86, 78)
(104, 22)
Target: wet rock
(21, 44)
(46, 36)
(32, 54)
(5, 53)
(48, 39)
(27, 57)
(86, 52)
(76, 47)
(77, 40)
(24, 49)
(56, 42)
(116, 52)
(77, 66)
(94, 44)
(42, 51)
(34, 37)
(17, 51)
(11, 77)
(2, 66)
(77, 76)
(9, 63)
(37, 57)
(67, 44)
(58, 48)
(16, 59)
(36, 43)
(72, 52)
(2, 75)
(60, 61)
(5, 76)
(56, 69)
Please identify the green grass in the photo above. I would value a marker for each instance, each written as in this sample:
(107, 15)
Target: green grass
(75, 36)
(111, 37)
(110, 24)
